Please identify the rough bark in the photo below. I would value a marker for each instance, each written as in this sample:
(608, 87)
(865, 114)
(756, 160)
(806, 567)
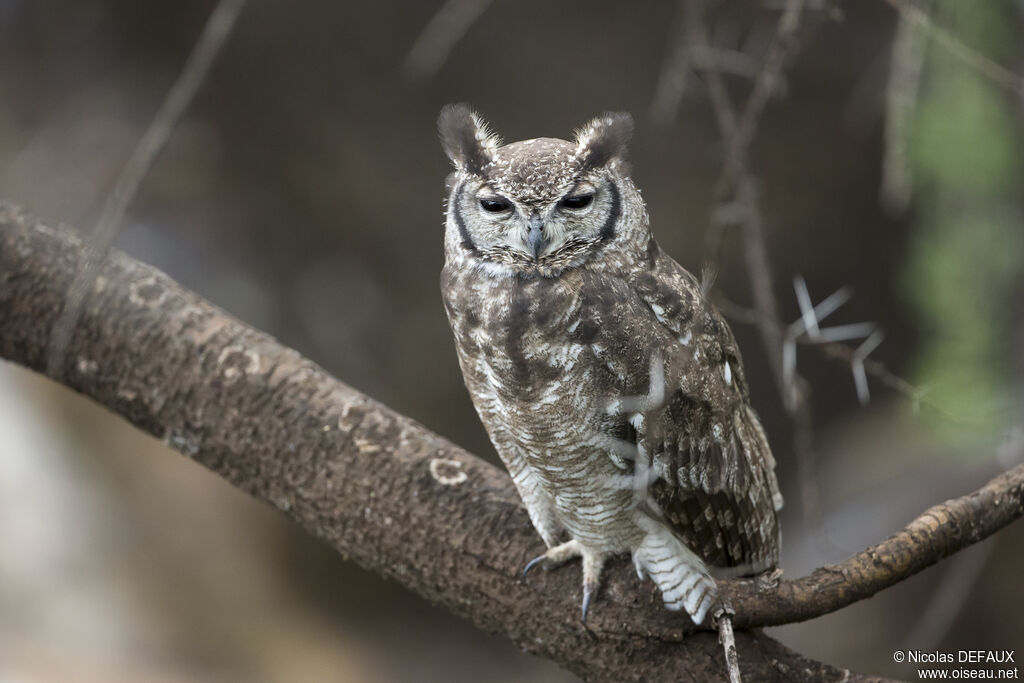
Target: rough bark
(391, 495)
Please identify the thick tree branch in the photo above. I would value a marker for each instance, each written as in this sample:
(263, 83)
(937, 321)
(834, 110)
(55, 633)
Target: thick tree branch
(396, 498)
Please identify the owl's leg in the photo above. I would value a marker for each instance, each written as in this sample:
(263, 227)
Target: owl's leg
(680, 575)
(593, 563)
(538, 502)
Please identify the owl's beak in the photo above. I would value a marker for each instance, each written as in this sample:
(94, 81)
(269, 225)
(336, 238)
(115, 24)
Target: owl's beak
(536, 240)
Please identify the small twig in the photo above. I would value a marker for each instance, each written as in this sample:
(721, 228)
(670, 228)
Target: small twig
(969, 56)
(214, 36)
(918, 396)
(762, 282)
(803, 297)
(839, 333)
(733, 311)
(738, 133)
(439, 37)
(807, 326)
(723, 623)
(876, 369)
(859, 377)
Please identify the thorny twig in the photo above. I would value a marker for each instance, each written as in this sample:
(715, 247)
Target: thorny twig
(214, 36)
(832, 347)
(808, 325)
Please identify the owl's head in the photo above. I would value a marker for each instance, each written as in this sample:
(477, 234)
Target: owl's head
(537, 207)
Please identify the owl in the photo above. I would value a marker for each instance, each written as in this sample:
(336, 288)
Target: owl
(612, 390)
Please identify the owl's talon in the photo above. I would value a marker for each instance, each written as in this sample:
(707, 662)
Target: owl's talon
(533, 563)
(589, 590)
(592, 566)
(554, 557)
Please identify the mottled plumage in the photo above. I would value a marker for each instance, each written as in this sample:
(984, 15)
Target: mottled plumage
(613, 392)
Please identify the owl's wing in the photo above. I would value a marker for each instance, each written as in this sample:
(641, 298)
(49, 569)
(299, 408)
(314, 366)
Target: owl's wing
(712, 473)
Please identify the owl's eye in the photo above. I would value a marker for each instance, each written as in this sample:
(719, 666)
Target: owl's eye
(495, 204)
(576, 202)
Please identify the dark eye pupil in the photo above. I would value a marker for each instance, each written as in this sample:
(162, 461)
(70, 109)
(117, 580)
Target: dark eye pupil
(494, 205)
(577, 202)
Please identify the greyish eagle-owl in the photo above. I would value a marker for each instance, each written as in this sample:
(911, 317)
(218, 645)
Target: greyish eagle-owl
(612, 390)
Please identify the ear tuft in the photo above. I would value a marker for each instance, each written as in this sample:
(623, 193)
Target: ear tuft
(465, 137)
(603, 139)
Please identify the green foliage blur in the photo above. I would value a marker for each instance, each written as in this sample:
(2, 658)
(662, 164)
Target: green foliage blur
(967, 253)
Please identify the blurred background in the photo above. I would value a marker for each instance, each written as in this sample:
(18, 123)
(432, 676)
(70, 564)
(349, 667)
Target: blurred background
(302, 193)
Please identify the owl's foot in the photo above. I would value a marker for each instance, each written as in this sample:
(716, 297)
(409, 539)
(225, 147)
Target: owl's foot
(593, 563)
(555, 556)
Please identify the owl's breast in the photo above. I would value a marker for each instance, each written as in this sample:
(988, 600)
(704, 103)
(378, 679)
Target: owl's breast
(530, 325)
(536, 359)
(525, 346)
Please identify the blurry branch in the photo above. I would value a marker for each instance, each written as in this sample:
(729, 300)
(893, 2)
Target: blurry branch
(739, 202)
(674, 74)
(995, 72)
(440, 35)
(907, 62)
(737, 130)
(215, 34)
(396, 498)
(767, 83)
(677, 68)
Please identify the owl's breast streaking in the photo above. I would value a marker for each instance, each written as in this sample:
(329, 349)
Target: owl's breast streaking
(527, 350)
(525, 347)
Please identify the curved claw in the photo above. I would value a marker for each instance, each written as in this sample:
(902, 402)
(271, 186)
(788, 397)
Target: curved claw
(588, 593)
(533, 563)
